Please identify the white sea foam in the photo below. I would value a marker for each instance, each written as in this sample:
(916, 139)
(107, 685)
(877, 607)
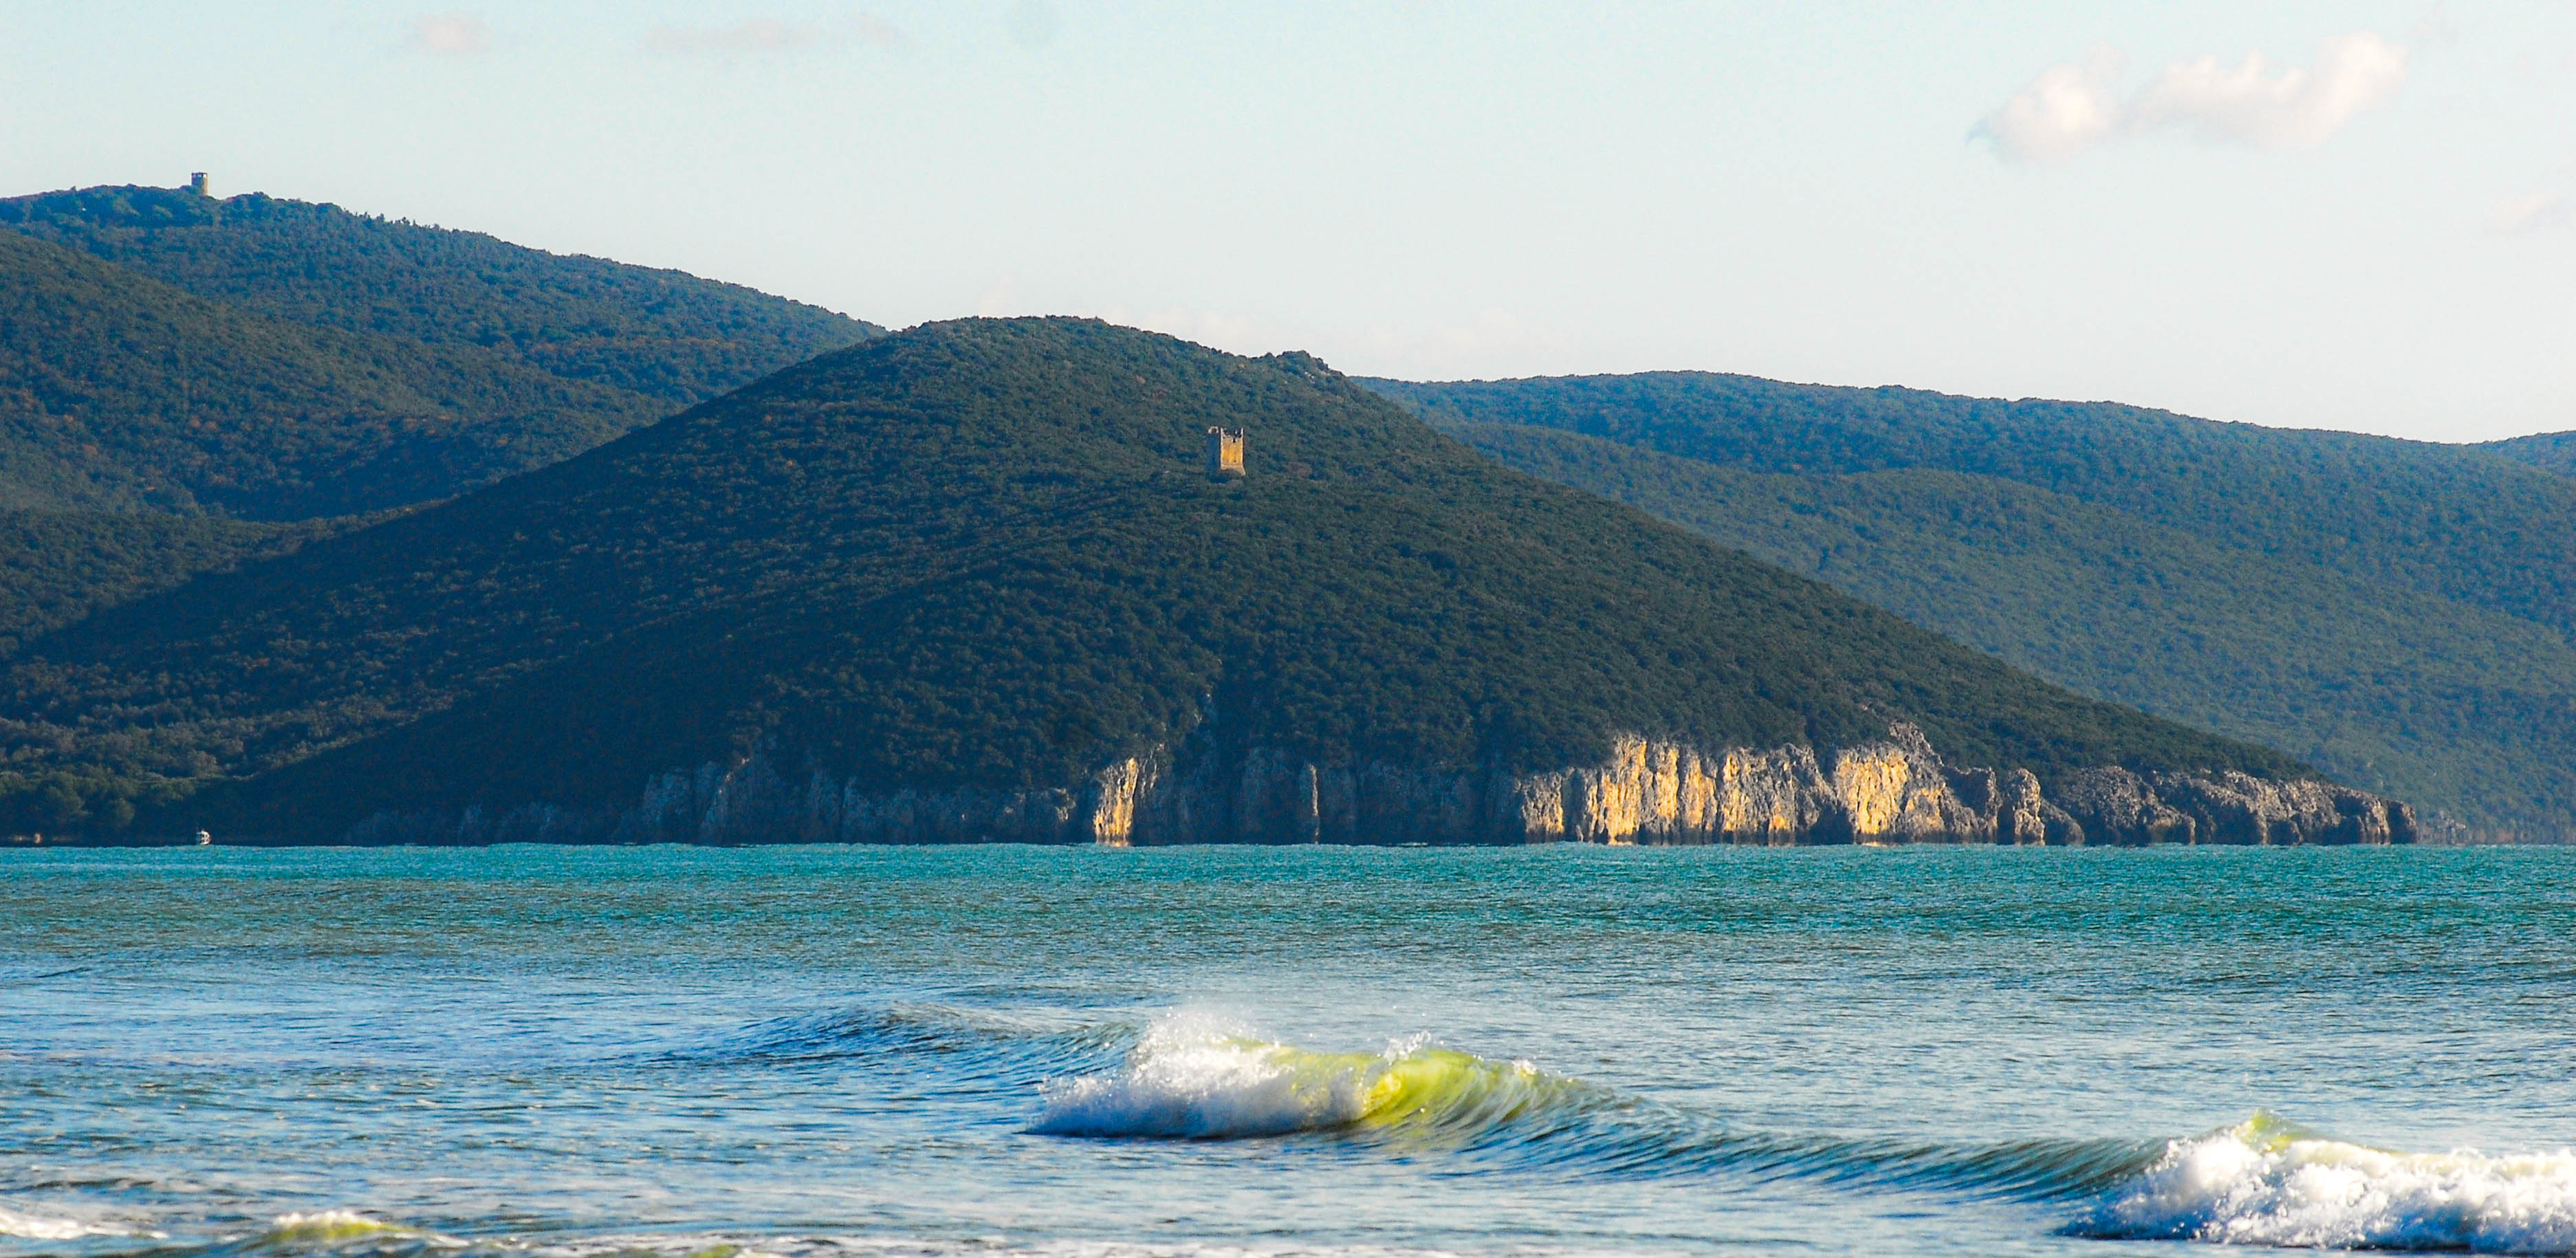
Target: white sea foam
(829, 1246)
(1200, 1077)
(38, 1227)
(340, 1229)
(2262, 1183)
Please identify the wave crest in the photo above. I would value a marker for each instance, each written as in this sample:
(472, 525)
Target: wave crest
(342, 1232)
(38, 1227)
(1196, 1079)
(2264, 1182)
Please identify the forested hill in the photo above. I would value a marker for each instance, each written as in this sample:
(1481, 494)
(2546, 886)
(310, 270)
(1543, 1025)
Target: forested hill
(2555, 451)
(269, 359)
(661, 333)
(984, 555)
(118, 391)
(58, 567)
(2396, 612)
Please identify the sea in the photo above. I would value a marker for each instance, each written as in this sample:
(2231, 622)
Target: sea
(815, 1052)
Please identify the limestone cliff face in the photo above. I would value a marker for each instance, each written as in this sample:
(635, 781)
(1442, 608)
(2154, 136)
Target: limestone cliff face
(1894, 791)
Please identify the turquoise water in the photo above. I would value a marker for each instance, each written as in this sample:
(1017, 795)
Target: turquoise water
(1271, 1052)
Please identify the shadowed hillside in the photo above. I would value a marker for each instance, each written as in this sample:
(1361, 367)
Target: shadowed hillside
(2397, 612)
(118, 391)
(983, 557)
(664, 334)
(57, 567)
(164, 351)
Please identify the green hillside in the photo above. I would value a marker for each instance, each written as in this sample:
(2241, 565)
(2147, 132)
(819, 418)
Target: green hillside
(663, 334)
(2397, 613)
(121, 392)
(57, 567)
(2555, 451)
(983, 554)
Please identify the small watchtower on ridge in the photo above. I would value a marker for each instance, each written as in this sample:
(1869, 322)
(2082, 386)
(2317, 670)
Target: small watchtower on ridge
(1225, 454)
(197, 182)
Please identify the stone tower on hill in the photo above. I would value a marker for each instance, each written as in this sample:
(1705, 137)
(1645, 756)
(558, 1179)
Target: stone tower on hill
(1225, 454)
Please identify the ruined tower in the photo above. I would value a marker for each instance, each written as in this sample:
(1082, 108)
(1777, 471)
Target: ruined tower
(197, 182)
(1225, 454)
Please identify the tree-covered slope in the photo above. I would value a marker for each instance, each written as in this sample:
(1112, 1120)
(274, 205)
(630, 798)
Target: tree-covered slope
(118, 391)
(2555, 451)
(2391, 690)
(57, 567)
(2395, 612)
(2450, 521)
(660, 333)
(984, 554)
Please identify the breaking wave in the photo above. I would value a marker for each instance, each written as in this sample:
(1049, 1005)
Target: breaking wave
(2264, 1182)
(1197, 1079)
(1188, 1077)
(1206, 1081)
(339, 1234)
(38, 1227)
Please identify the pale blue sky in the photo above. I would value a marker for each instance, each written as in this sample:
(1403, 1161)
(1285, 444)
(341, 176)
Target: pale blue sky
(2372, 228)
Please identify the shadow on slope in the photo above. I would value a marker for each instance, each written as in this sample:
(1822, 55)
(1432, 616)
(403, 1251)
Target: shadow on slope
(2396, 611)
(984, 553)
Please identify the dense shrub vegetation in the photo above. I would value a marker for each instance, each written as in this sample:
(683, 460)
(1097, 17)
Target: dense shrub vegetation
(983, 553)
(56, 567)
(2555, 451)
(2397, 613)
(276, 360)
(118, 391)
(664, 334)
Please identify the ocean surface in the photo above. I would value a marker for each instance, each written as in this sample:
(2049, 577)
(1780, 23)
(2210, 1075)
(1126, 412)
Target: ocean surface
(1258, 1053)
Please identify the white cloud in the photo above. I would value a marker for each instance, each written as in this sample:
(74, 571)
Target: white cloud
(2063, 112)
(2072, 108)
(2294, 108)
(767, 35)
(451, 35)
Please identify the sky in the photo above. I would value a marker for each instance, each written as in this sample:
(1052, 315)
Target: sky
(2353, 215)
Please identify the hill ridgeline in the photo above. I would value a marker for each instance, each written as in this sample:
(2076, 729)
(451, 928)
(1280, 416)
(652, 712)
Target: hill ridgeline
(120, 392)
(972, 581)
(2397, 613)
(2555, 451)
(164, 351)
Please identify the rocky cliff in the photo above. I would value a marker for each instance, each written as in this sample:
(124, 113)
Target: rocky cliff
(1894, 791)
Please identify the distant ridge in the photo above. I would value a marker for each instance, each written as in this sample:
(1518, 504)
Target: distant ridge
(121, 392)
(275, 359)
(662, 333)
(2399, 613)
(2555, 451)
(973, 581)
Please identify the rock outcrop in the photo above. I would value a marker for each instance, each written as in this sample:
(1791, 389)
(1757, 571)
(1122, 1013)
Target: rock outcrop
(1895, 791)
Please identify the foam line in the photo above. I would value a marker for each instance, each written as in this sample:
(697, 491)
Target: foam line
(38, 1227)
(2264, 1182)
